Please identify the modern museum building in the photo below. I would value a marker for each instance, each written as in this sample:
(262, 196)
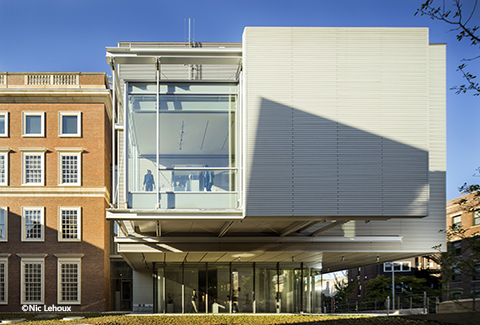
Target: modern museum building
(246, 170)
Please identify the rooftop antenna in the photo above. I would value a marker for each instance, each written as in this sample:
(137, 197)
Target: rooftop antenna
(191, 38)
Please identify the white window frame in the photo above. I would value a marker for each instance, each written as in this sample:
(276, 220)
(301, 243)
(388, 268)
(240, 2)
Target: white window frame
(4, 152)
(33, 151)
(42, 124)
(79, 224)
(69, 259)
(399, 266)
(79, 124)
(70, 152)
(32, 259)
(42, 224)
(5, 134)
(458, 224)
(4, 265)
(4, 238)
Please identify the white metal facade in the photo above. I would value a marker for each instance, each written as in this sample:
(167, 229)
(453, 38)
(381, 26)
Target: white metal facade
(343, 150)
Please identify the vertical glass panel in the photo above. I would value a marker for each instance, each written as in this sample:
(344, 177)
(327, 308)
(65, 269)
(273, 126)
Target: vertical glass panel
(266, 287)
(218, 288)
(316, 276)
(196, 145)
(2, 124)
(141, 143)
(3, 223)
(195, 281)
(2, 168)
(306, 290)
(290, 287)
(173, 288)
(33, 124)
(122, 285)
(242, 288)
(69, 124)
(161, 303)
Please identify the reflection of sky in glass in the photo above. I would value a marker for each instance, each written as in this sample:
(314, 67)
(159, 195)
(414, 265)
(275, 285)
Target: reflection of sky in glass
(2, 124)
(2, 170)
(34, 125)
(69, 124)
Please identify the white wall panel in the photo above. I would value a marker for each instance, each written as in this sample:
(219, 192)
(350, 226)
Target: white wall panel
(337, 121)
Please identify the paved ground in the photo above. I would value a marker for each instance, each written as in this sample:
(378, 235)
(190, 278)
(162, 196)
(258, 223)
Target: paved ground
(469, 318)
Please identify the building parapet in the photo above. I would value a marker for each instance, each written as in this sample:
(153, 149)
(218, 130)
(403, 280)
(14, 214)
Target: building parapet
(56, 80)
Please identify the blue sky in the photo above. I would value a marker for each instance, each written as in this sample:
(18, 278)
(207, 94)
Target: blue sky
(71, 35)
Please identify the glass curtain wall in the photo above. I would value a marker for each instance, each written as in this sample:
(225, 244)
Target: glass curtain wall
(266, 287)
(181, 145)
(237, 288)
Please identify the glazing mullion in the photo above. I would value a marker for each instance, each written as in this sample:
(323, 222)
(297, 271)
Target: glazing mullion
(157, 132)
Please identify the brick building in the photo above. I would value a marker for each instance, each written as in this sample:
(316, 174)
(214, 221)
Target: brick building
(420, 267)
(464, 283)
(55, 156)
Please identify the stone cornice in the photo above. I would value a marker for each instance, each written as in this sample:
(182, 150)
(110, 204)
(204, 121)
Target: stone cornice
(61, 191)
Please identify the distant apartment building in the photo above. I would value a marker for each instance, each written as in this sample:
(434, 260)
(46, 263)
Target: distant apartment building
(464, 284)
(55, 161)
(421, 267)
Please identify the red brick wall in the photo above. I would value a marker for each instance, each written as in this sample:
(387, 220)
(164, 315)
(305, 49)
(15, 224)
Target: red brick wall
(92, 79)
(96, 159)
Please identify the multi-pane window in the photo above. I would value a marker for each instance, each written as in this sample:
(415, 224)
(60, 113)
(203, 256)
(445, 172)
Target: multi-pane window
(3, 124)
(457, 274)
(33, 163)
(33, 124)
(69, 169)
(4, 166)
(69, 163)
(69, 279)
(69, 224)
(32, 278)
(33, 169)
(476, 218)
(3, 223)
(457, 221)
(3, 278)
(456, 247)
(32, 223)
(69, 124)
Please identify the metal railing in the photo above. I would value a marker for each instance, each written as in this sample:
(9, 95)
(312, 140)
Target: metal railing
(419, 302)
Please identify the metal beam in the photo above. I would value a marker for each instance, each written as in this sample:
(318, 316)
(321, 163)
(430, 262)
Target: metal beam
(259, 239)
(226, 226)
(158, 229)
(294, 227)
(328, 228)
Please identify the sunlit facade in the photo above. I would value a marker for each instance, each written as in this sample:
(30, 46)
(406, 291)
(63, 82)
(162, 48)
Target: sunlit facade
(243, 171)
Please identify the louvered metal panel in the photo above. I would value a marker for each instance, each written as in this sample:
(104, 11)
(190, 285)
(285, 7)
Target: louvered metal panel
(121, 170)
(336, 121)
(131, 72)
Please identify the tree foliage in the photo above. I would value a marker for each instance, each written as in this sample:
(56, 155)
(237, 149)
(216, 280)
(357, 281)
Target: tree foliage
(380, 287)
(462, 259)
(345, 289)
(464, 26)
